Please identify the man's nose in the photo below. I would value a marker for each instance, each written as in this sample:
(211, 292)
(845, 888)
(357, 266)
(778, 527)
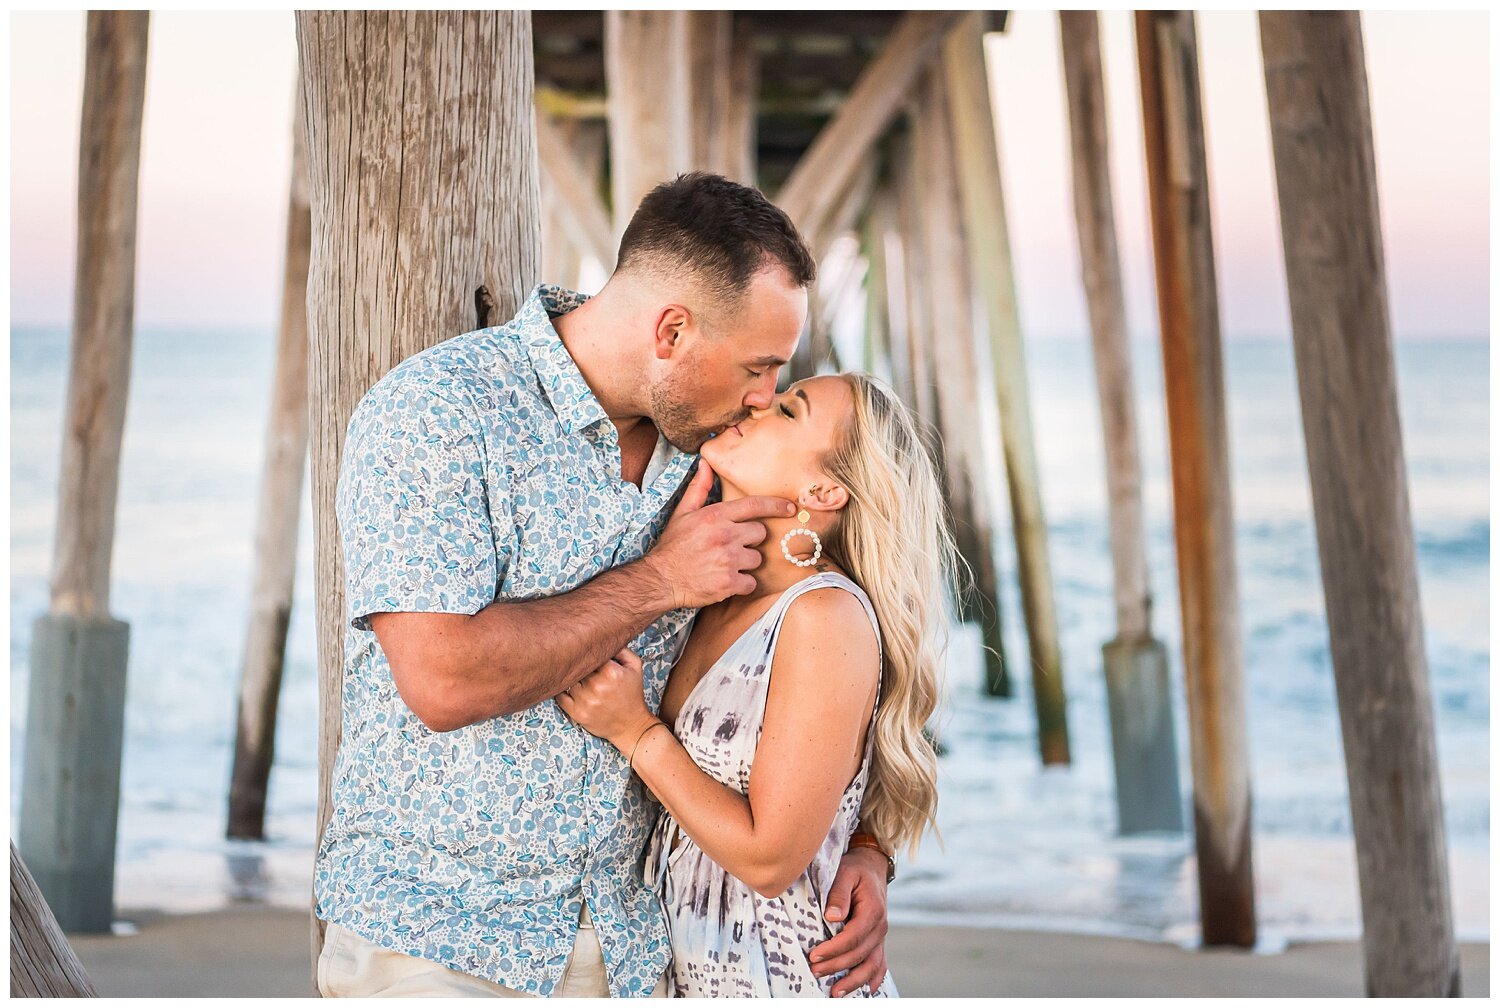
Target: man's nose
(761, 396)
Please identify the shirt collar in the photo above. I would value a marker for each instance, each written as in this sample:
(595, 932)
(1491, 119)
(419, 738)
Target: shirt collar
(572, 399)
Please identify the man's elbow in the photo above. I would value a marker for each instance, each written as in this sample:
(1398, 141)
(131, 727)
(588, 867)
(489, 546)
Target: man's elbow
(436, 712)
(445, 701)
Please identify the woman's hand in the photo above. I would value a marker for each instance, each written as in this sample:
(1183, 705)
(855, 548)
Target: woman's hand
(610, 702)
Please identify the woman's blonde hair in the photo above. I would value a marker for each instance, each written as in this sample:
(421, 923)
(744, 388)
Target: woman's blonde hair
(893, 538)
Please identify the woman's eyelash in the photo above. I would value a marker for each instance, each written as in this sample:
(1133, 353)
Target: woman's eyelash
(787, 411)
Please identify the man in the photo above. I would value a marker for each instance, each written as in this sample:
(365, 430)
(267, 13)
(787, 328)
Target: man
(505, 503)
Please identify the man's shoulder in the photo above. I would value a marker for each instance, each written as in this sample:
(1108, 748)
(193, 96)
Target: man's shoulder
(465, 372)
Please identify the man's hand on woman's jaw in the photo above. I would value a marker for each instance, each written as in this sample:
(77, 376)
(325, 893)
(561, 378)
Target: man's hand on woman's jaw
(859, 893)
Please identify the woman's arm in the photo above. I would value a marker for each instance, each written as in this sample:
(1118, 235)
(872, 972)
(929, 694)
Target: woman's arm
(822, 689)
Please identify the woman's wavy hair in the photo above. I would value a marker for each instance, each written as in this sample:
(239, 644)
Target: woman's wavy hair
(893, 538)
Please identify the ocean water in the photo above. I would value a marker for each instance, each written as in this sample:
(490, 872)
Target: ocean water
(1021, 846)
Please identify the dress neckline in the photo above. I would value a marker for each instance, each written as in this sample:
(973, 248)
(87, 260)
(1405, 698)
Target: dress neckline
(781, 600)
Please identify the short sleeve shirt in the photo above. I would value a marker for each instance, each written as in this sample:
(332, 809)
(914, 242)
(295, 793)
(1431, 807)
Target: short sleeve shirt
(485, 469)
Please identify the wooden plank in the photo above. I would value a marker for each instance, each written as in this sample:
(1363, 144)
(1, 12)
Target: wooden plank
(826, 170)
(978, 165)
(1319, 105)
(448, 124)
(42, 963)
(955, 355)
(1192, 355)
(578, 207)
(279, 515)
(650, 123)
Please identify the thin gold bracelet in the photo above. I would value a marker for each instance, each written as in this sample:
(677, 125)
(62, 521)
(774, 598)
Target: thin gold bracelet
(657, 723)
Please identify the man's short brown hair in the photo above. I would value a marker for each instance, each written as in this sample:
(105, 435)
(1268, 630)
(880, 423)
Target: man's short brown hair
(718, 231)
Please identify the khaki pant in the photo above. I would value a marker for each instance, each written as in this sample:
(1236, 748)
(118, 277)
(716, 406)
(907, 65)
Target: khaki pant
(353, 966)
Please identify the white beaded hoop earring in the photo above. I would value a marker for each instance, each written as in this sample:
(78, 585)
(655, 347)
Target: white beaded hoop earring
(802, 516)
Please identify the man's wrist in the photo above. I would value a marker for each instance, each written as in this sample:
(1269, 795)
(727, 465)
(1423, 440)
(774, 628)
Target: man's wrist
(860, 840)
(659, 589)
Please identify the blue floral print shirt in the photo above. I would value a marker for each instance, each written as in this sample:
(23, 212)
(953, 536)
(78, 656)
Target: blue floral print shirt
(484, 468)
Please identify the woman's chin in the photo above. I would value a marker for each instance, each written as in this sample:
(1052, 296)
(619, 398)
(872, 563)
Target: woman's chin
(711, 450)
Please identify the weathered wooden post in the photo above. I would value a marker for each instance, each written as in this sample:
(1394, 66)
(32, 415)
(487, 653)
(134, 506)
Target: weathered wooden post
(430, 111)
(1137, 678)
(887, 240)
(951, 318)
(42, 963)
(570, 154)
(1335, 266)
(818, 350)
(280, 513)
(824, 182)
(722, 91)
(978, 165)
(570, 159)
(828, 167)
(872, 232)
(1188, 303)
(734, 148)
(75, 719)
(650, 117)
(560, 257)
(914, 293)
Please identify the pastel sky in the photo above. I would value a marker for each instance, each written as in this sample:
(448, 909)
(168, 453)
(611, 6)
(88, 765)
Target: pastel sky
(216, 152)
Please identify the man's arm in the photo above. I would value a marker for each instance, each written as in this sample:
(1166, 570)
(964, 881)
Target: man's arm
(455, 670)
(858, 894)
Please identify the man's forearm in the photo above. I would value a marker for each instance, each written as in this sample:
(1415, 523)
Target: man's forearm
(513, 655)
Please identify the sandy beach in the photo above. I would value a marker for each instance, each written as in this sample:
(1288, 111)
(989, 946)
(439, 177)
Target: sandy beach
(262, 952)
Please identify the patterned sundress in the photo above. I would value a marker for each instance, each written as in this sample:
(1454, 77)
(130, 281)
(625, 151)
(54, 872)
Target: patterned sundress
(727, 939)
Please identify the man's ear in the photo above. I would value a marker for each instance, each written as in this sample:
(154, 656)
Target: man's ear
(670, 323)
(823, 496)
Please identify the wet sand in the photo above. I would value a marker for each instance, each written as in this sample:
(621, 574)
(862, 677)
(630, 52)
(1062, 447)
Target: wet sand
(255, 951)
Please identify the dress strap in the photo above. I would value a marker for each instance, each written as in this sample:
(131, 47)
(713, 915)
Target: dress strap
(823, 579)
(828, 579)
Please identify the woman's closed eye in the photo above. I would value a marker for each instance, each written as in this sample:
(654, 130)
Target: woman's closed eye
(787, 411)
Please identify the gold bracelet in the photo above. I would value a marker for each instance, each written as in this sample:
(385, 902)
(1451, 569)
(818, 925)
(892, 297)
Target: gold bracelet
(631, 761)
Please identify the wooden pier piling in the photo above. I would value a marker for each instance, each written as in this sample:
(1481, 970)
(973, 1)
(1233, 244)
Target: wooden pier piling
(1148, 796)
(279, 516)
(1187, 298)
(646, 65)
(1346, 374)
(408, 127)
(951, 329)
(75, 719)
(42, 963)
(977, 161)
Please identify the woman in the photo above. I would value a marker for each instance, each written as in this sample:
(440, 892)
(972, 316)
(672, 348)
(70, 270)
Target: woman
(796, 710)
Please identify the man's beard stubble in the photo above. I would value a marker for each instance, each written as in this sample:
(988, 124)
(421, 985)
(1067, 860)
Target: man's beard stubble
(675, 420)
